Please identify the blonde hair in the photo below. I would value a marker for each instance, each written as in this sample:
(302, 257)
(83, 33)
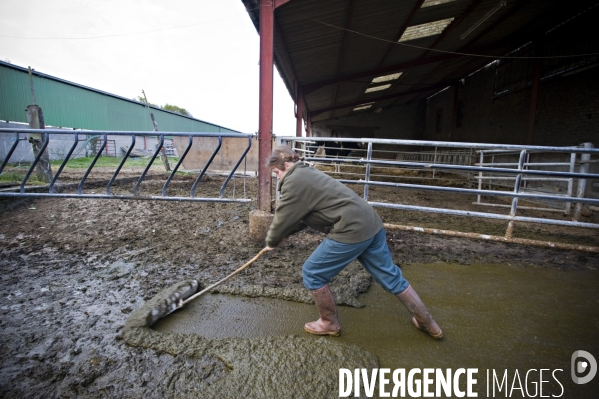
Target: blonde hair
(282, 154)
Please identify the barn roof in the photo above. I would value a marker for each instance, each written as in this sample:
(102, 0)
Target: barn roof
(351, 56)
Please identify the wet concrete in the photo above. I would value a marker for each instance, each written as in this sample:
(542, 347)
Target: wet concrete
(495, 318)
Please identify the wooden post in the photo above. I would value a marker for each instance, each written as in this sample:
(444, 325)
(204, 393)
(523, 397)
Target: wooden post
(163, 156)
(35, 118)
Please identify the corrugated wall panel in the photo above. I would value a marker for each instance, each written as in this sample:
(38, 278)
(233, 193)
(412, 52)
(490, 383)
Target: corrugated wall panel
(13, 101)
(66, 104)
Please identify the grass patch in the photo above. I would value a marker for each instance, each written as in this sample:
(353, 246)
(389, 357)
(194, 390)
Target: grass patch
(15, 176)
(16, 172)
(109, 162)
(12, 176)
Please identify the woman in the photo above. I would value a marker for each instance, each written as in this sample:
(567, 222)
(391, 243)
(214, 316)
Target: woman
(354, 231)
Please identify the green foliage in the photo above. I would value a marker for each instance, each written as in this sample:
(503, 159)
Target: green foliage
(166, 107)
(143, 100)
(179, 110)
(15, 174)
(108, 162)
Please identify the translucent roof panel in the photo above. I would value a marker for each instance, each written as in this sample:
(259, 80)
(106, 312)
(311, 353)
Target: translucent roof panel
(430, 3)
(386, 78)
(424, 30)
(377, 88)
(363, 106)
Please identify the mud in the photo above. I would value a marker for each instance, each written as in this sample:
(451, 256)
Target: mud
(74, 270)
(493, 317)
(259, 367)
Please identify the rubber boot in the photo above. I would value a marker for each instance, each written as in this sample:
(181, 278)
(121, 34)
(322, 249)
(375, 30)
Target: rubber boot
(328, 324)
(421, 318)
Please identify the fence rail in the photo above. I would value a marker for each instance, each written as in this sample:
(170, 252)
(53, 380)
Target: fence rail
(561, 186)
(20, 138)
(461, 158)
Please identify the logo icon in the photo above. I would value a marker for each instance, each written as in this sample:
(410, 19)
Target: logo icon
(583, 363)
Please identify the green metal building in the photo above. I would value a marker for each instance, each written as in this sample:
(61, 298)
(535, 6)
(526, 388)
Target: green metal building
(67, 104)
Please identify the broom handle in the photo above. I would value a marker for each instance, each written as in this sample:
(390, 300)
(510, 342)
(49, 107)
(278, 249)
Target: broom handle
(224, 279)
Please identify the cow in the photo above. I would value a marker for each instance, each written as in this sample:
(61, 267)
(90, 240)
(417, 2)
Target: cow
(312, 147)
(334, 149)
(349, 148)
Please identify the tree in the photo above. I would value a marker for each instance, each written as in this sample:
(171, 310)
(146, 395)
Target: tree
(166, 107)
(143, 100)
(179, 110)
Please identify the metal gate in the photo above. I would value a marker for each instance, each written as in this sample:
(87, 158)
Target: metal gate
(372, 162)
(54, 189)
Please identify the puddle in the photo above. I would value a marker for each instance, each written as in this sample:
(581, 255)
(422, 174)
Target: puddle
(494, 317)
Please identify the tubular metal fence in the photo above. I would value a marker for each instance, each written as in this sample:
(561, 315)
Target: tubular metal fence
(376, 162)
(52, 189)
(561, 186)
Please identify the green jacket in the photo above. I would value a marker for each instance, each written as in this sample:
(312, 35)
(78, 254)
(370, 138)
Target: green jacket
(309, 197)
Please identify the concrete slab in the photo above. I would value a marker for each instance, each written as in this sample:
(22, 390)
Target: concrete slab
(226, 158)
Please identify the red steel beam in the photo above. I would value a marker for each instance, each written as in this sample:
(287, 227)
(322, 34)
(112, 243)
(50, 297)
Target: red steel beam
(266, 104)
(299, 113)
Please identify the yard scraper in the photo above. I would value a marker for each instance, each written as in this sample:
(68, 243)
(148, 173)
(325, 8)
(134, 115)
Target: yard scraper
(184, 293)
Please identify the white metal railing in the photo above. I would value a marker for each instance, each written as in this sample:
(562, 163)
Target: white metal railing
(556, 185)
(376, 155)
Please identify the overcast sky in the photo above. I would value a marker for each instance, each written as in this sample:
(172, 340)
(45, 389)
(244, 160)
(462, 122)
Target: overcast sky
(201, 55)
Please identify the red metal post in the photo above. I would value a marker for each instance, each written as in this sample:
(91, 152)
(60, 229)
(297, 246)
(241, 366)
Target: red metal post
(266, 101)
(299, 103)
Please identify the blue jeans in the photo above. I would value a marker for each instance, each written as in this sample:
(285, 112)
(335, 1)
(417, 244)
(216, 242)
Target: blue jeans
(332, 256)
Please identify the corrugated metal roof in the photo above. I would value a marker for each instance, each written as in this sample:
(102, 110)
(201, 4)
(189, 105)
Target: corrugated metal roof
(333, 49)
(67, 104)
